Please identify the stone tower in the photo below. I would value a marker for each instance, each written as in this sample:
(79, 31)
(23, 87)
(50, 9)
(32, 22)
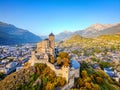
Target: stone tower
(32, 59)
(52, 43)
(65, 72)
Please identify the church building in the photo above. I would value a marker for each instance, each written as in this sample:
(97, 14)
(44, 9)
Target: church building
(47, 46)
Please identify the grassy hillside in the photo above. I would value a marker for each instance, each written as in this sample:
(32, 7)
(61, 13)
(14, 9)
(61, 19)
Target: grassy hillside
(39, 77)
(91, 79)
(104, 40)
(76, 40)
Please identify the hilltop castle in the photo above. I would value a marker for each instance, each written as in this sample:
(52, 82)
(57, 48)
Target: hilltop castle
(46, 48)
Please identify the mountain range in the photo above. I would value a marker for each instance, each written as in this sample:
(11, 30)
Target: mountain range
(9, 34)
(92, 31)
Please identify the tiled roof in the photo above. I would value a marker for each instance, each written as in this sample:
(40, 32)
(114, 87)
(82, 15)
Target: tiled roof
(51, 34)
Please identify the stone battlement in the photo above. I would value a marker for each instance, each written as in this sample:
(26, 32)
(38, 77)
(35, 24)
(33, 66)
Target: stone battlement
(63, 72)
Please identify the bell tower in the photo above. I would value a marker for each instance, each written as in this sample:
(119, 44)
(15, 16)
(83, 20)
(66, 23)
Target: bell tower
(52, 43)
(52, 40)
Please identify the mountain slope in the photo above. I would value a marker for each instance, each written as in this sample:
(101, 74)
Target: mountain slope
(63, 35)
(75, 40)
(10, 34)
(101, 29)
(102, 41)
(92, 31)
(109, 31)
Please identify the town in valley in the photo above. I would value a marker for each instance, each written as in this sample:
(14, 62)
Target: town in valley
(69, 62)
(59, 44)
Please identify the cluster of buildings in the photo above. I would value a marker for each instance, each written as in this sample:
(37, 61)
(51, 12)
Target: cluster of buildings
(14, 57)
(110, 57)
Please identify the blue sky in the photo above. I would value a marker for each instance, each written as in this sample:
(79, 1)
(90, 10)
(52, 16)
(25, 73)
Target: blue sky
(44, 16)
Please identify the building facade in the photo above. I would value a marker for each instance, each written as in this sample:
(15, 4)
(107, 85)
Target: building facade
(47, 45)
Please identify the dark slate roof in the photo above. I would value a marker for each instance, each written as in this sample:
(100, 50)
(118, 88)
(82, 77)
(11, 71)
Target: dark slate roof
(46, 39)
(51, 34)
(75, 64)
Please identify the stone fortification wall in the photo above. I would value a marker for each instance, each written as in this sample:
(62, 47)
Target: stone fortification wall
(63, 72)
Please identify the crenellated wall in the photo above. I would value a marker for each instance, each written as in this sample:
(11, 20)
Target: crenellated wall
(63, 72)
(66, 72)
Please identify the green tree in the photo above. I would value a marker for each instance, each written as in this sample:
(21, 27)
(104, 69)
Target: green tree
(2, 75)
(104, 65)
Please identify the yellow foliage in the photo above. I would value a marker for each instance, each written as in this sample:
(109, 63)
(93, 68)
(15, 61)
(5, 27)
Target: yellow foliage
(99, 80)
(88, 85)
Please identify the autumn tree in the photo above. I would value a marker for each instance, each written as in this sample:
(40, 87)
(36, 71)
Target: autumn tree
(46, 70)
(66, 62)
(62, 81)
(88, 85)
(59, 61)
(99, 80)
(37, 71)
(63, 55)
(49, 86)
(79, 82)
(64, 58)
(84, 74)
(95, 87)
(52, 59)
